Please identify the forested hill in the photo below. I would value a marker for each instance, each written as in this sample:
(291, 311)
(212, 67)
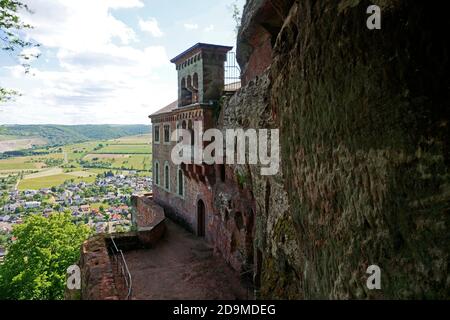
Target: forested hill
(61, 135)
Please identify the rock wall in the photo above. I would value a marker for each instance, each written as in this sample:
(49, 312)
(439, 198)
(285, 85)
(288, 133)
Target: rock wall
(365, 141)
(97, 276)
(147, 213)
(269, 231)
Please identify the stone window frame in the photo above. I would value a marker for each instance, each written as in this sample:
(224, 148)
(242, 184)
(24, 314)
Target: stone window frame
(166, 176)
(167, 124)
(157, 178)
(182, 196)
(157, 128)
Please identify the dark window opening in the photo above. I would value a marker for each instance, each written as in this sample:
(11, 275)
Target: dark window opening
(166, 178)
(167, 133)
(156, 173)
(201, 218)
(156, 138)
(180, 183)
(186, 94)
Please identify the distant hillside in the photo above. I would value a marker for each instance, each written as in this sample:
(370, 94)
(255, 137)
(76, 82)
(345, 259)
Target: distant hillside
(57, 135)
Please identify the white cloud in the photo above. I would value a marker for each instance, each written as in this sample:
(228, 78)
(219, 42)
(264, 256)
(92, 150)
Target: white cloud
(191, 26)
(116, 4)
(96, 75)
(78, 25)
(151, 26)
(210, 28)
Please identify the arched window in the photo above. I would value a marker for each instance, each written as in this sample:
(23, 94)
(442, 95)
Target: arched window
(191, 131)
(186, 94)
(167, 134)
(156, 135)
(195, 81)
(167, 176)
(195, 96)
(178, 131)
(180, 182)
(156, 173)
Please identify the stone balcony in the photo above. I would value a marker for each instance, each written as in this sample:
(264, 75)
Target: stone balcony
(99, 270)
(163, 261)
(148, 218)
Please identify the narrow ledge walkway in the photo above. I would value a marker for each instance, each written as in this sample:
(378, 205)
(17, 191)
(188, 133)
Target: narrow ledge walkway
(182, 267)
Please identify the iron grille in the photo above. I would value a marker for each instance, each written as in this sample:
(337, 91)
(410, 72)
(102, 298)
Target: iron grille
(232, 73)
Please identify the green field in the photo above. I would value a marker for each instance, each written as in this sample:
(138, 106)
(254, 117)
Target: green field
(6, 138)
(135, 162)
(28, 163)
(122, 161)
(140, 139)
(125, 149)
(81, 161)
(52, 181)
(17, 164)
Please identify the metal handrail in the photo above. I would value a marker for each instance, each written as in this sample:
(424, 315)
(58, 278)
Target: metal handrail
(127, 277)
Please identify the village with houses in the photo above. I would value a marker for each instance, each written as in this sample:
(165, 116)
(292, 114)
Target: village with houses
(104, 205)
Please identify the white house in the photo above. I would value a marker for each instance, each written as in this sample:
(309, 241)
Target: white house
(32, 204)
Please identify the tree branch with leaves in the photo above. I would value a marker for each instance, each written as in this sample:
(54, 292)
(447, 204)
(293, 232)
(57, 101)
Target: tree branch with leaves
(12, 40)
(236, 14)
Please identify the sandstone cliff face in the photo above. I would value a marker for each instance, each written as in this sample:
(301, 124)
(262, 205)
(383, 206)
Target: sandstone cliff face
(271, 233)
(365, 141)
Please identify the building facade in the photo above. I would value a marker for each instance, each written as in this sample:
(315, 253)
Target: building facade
(185, 191)
(190, 193)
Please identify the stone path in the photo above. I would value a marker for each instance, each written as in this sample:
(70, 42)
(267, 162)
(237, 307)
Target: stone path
(182, 267)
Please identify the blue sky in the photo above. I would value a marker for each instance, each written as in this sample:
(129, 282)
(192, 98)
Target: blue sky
(107, 61)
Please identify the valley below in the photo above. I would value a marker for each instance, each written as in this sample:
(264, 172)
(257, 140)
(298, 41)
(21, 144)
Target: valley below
(93, 181)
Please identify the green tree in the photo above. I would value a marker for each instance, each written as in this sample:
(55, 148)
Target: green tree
(12, 40)
(36, 263)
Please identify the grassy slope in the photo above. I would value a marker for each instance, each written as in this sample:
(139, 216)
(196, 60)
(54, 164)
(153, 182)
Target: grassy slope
(125, 149)
(51, 181)
(47, 178)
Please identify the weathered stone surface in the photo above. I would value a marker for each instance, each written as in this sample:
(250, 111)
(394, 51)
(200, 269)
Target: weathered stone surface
(365, 140)
(364, 119)
(148, 237)
(271, 236)
(148, 214)
(261, 23)
(97, 278)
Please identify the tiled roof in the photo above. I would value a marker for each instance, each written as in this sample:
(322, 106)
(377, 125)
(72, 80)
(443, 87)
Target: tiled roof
(171, 107)
(200, 46)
